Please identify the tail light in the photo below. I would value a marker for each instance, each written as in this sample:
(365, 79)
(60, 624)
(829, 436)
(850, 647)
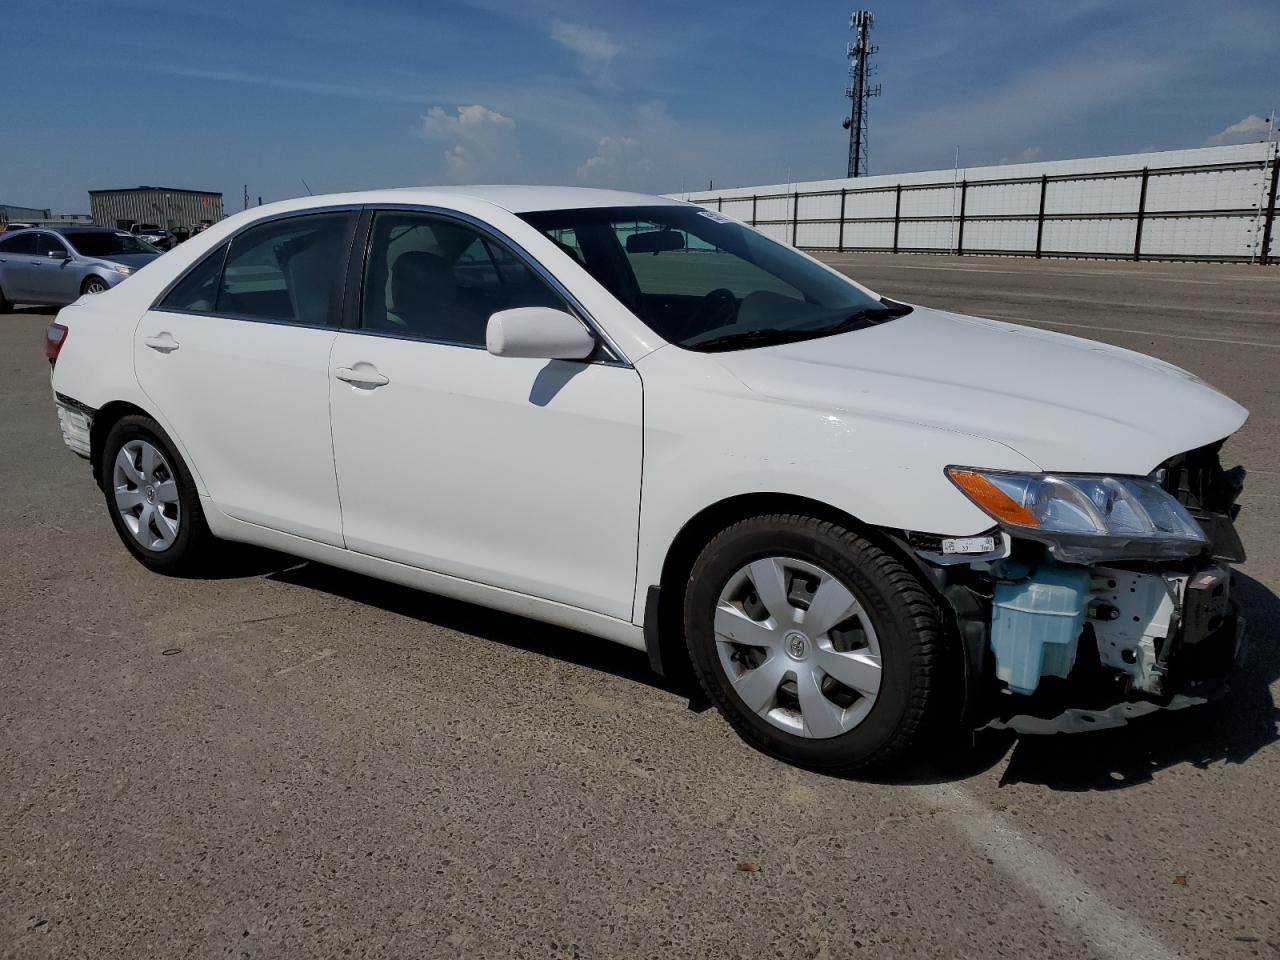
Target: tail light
(55, 338)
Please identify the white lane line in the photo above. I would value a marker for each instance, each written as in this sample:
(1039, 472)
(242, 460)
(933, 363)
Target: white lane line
(1140, 333)
(1050, 272)
(1109, 931)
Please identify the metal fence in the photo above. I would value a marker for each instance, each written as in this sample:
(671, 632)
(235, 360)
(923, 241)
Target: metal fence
(1216, 203)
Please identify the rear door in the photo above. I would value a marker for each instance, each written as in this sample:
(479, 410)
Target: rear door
(236, 358)
(17, 253)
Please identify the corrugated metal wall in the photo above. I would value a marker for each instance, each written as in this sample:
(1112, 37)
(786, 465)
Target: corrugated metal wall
(1213, 203)
(9, 212)
(167, 208)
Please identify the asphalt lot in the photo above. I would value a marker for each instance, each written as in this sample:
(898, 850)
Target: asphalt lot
(329, 766)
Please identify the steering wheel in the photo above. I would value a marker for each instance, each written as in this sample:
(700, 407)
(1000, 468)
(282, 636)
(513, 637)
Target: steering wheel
(717, 309)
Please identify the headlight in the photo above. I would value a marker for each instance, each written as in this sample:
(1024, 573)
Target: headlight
(1085, 518)
(121, 268)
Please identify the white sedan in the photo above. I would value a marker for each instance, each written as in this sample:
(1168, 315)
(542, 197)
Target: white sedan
(857, 521)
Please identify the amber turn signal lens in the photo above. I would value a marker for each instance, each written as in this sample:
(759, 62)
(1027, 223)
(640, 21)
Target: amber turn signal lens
(992, 499)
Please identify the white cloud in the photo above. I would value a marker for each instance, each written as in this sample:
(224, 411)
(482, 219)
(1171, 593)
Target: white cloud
(595, 48)
(481, 142)
(1028, 155)
(617, 162)
(1249, 130)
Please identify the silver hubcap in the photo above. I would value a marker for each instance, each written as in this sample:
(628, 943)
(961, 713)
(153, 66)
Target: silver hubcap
(797, 647)
(95, 286)
(146, 493)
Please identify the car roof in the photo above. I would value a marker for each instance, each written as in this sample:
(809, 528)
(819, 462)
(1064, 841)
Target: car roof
(511, 197)
(527, 199)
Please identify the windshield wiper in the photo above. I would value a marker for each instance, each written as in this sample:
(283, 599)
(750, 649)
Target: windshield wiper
(869, 316)
(756, 338)
(773, 335)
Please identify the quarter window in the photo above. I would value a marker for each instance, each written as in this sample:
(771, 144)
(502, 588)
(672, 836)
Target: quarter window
(285, 270)
(438, 279)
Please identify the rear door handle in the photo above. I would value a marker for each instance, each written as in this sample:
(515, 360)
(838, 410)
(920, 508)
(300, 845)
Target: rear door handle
(364, 375)
(164, 343)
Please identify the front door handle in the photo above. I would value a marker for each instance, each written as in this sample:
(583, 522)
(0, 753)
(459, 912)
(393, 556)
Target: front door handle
(163, 342)
(364, 375)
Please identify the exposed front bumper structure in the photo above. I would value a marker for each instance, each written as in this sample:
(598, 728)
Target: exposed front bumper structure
(1055, 647)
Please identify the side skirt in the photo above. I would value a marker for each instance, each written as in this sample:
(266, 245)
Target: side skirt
(509, 601)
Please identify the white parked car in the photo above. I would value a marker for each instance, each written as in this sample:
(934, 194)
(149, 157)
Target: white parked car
(858, 521)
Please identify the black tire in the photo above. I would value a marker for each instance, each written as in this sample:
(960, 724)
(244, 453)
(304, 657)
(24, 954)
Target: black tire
(94, 285)
(6, 305)
(194, 549)
(905, 619)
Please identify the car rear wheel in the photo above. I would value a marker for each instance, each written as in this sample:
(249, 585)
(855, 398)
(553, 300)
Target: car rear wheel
(818, 647)
(152, 498)
(6, 305)
(95, 285)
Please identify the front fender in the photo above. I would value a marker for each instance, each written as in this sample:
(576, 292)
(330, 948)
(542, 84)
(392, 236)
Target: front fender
(708, 438)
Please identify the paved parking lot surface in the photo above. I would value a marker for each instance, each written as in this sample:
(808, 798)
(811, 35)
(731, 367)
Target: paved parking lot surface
(301, 762)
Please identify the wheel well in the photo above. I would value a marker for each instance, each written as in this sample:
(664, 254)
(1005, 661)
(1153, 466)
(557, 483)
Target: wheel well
(703, 527)
(700, 530)
(106, 418)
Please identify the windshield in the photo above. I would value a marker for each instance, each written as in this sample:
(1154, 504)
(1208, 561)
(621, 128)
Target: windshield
(705, 282)
(107, 243)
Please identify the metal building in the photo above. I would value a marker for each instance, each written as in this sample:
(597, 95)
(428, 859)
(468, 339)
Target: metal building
(1209, 203)
(11, 213)
(170, 207)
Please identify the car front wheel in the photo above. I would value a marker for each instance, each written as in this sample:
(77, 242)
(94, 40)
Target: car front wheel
(818, 647)
(152, 498)
(95, 285)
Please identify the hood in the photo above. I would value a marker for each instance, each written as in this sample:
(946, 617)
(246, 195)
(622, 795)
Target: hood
(134, 260)
(1065, 403)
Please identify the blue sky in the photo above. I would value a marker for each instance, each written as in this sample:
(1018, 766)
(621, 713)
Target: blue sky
(212, 94)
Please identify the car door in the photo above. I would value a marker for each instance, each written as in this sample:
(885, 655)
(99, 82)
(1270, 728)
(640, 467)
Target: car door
(235, 357)
(17, 253)
(55, 270)
(517, 473)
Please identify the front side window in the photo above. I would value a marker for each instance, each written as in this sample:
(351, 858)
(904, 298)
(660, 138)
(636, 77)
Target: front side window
(438, 279)
(47, 243)
(289, 271)
(704, 282)
(108, 243)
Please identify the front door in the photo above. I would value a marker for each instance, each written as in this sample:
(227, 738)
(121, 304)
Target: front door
(57, 273)
(517, 473)
(236, 359)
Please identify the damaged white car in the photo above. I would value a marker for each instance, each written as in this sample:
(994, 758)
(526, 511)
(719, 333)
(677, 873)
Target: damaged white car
(861, 523)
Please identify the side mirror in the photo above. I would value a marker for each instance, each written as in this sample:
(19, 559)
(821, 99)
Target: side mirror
(540, 333)
(58, 255)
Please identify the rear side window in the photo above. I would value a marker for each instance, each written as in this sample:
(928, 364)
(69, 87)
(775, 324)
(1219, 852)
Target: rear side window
(288, 271)
(198, 290)
(19, 243)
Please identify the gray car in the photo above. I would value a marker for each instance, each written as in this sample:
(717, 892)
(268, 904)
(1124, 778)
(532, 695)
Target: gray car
(57, 266)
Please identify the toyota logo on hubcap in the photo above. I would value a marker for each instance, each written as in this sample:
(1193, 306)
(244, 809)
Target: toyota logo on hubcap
(797, 645)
